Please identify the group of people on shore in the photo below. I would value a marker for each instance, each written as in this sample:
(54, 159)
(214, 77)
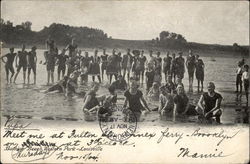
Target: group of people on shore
(132, 66)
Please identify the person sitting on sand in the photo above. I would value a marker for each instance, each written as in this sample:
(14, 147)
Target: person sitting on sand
(91, 103)
(245, 80)
(154, 92)
(166, 104)
(134, 97)
(209, 104)
(59, 86)
(120, 84)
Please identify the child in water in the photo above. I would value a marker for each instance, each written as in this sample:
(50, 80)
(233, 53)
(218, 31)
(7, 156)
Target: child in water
(154, 92)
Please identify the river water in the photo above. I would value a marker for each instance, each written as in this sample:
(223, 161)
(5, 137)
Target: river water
(29, 101)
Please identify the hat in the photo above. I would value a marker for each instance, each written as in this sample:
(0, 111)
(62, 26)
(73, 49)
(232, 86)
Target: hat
(33, 48)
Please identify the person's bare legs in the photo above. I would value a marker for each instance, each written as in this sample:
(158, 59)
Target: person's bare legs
(52, 77)
(58, 75)
(24, 77)
(48, 77)
(28, 77)
(16, 75)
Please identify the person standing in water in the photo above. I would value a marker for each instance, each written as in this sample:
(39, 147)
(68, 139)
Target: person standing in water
(104, 62)
(94, 69)
(127, 61)
(32, 60)
(199, 73)
(180, 66)
(142, 61)
(173, 67)
(245, 79)
(112, 67)
(61, 60)
(190, 64)
(166, 66)
(239, 72)
(158, 64)
(22, 63)
(51, 59)
(9, 64)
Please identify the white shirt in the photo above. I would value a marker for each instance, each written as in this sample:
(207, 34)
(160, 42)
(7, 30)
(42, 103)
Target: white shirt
(245, 76)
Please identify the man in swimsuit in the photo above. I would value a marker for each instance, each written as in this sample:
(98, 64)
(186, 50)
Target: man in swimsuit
(166, 66)
(9, 64)
(209, 104)
(180, 66)
(32, 60)
(22, 63)
(51, 59)
(190, 64)
(62, 58)
(104, 61)
(127, 61)
(142, 61)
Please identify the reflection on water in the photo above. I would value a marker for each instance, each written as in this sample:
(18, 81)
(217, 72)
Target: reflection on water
(29, 101)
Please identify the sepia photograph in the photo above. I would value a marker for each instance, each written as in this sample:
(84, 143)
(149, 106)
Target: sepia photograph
(124, 81)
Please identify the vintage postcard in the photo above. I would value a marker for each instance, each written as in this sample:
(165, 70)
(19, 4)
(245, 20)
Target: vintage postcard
(124, 81)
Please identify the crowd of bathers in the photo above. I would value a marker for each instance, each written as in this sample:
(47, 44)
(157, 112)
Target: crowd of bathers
(128, 72)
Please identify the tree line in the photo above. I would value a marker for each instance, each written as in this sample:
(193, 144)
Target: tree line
(62, 34)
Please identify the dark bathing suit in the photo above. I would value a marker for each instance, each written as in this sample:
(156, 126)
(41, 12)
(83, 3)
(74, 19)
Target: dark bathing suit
(51, 59)
(191, 65)
(210, 102)
(104, 61)
(134, 101)
(62, 63)
(31, 56)
(22, 60)
(9, 63)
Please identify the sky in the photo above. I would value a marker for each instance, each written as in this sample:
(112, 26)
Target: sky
(212, 22)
